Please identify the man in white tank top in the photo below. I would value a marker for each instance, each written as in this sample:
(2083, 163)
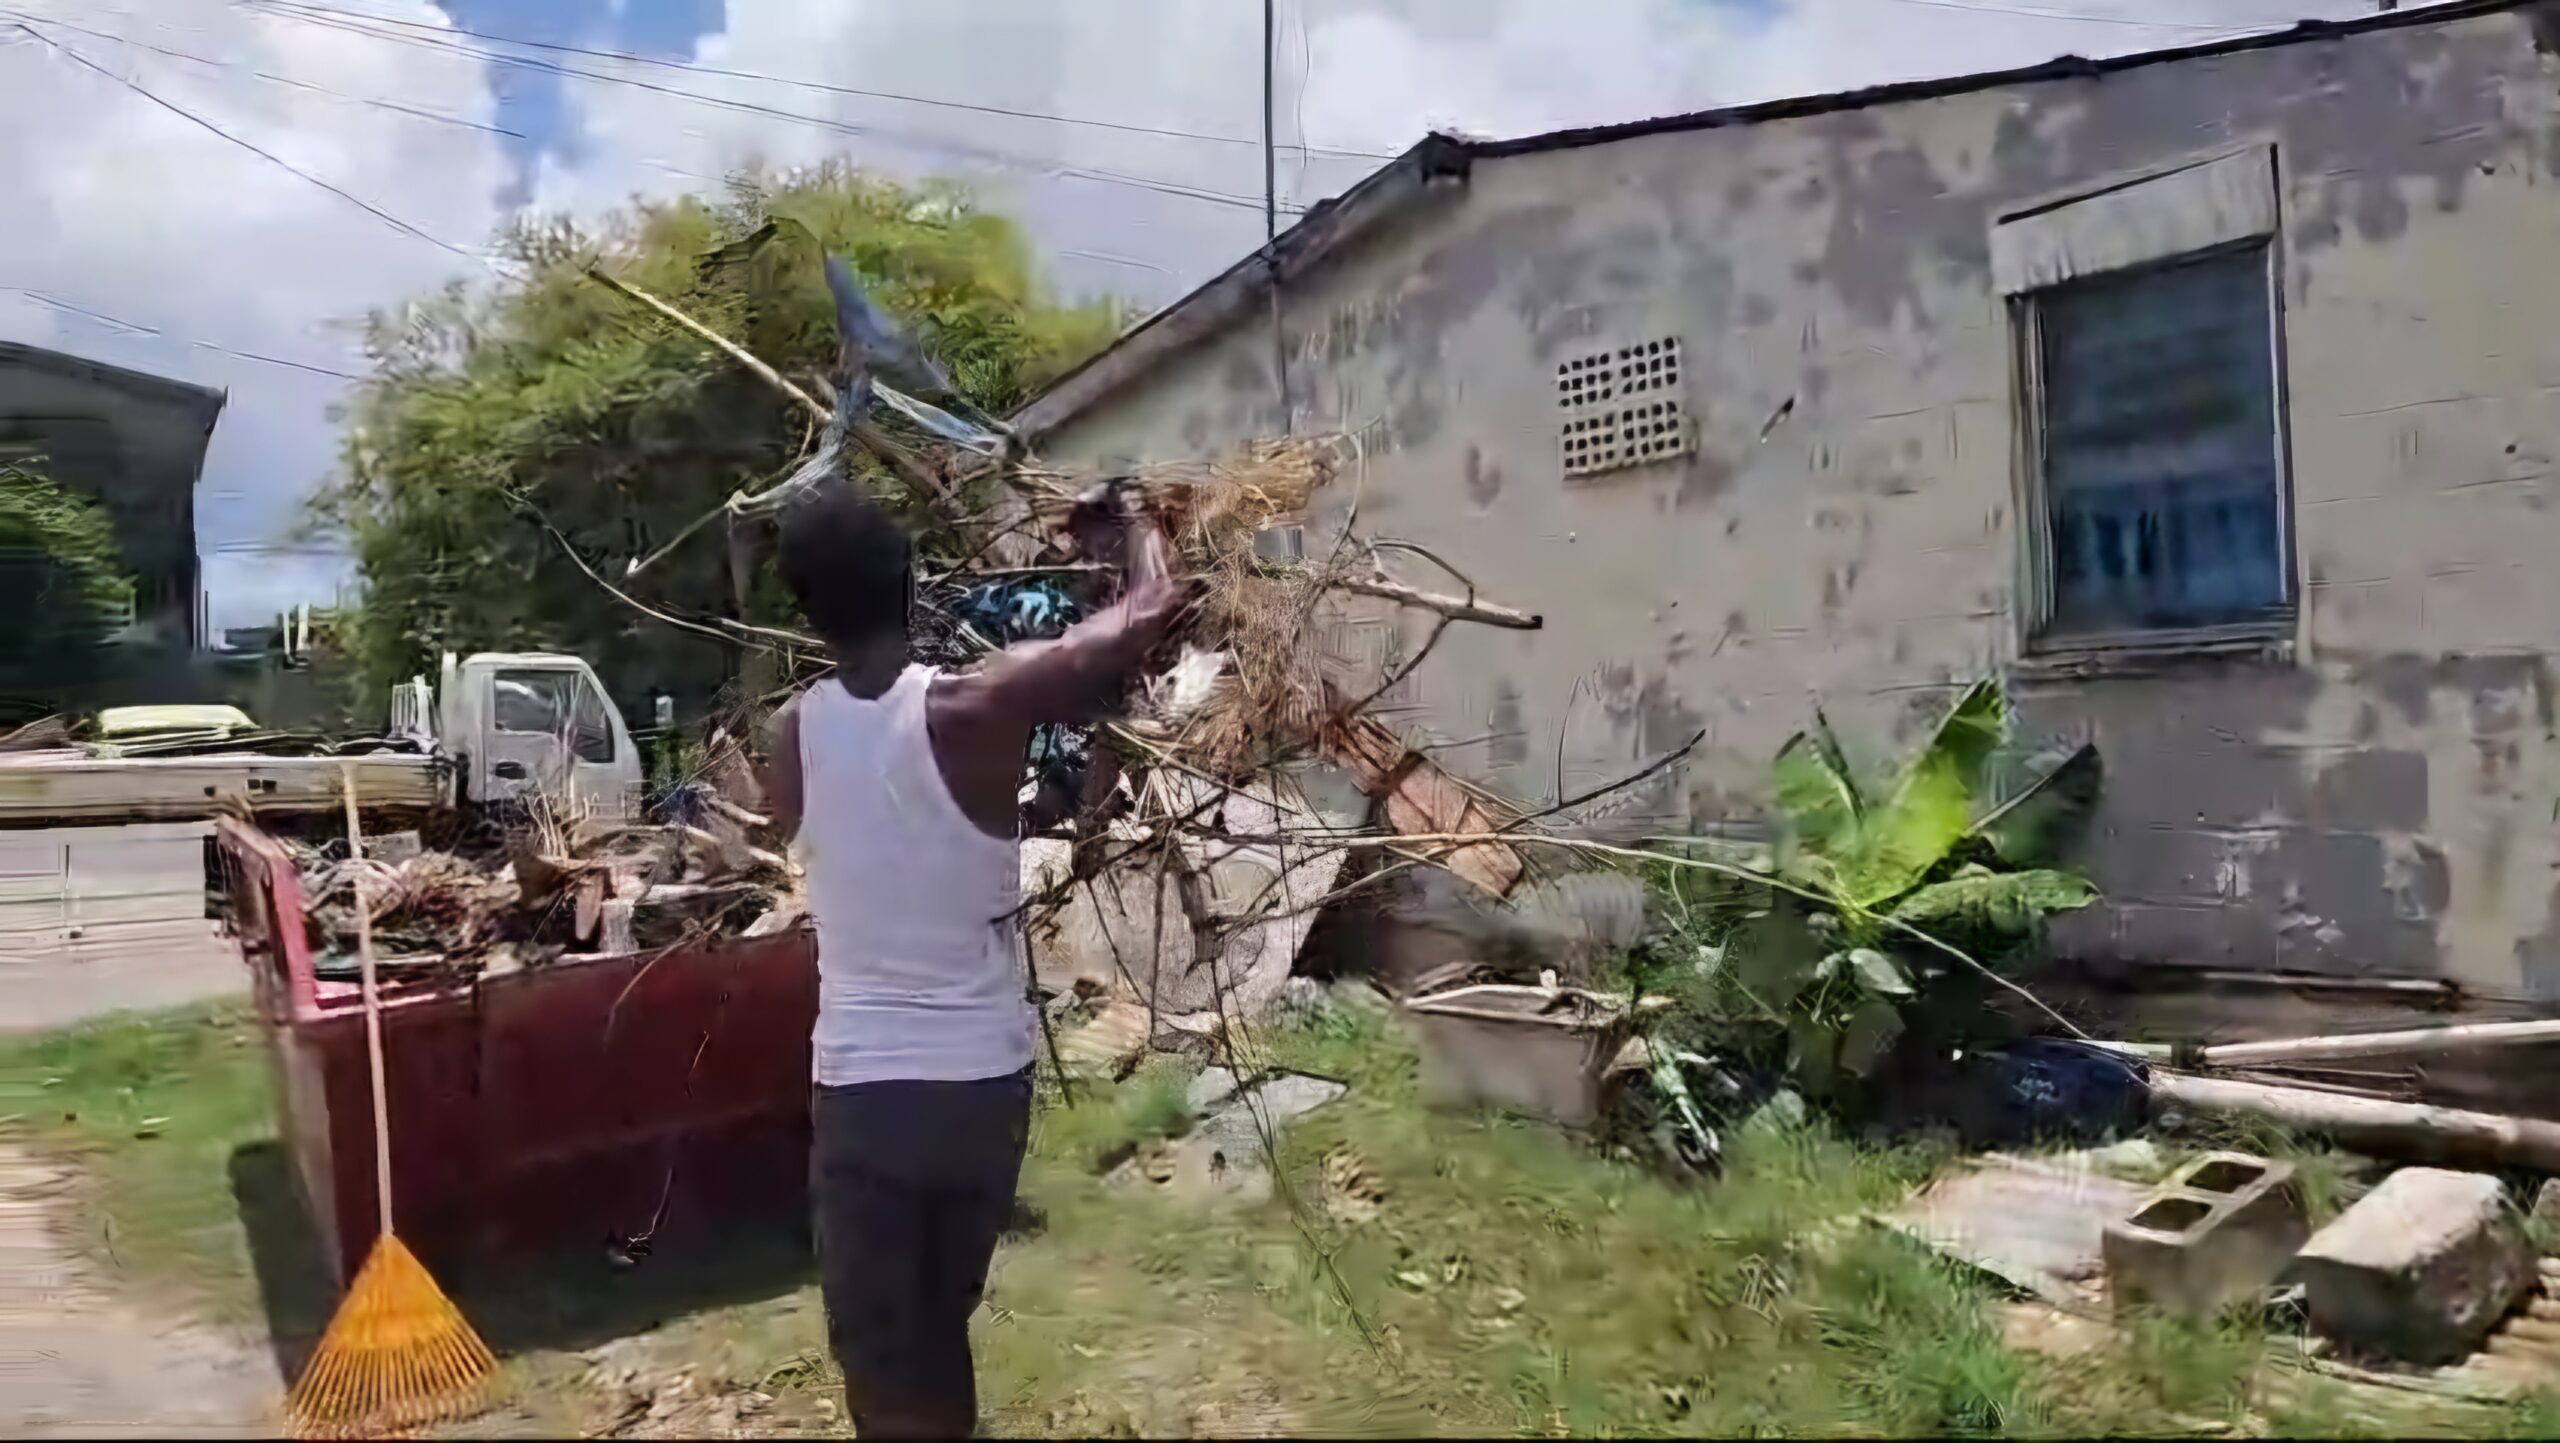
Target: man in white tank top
(901, 783)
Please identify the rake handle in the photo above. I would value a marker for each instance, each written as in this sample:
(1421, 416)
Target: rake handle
(372, 1007)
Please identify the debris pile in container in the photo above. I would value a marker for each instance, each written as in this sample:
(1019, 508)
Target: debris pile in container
(529, 894)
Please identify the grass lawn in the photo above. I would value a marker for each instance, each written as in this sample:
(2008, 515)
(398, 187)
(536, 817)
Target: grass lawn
(1481, 1276)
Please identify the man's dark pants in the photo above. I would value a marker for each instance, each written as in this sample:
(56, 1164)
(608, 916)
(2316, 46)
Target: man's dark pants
(912, 1183)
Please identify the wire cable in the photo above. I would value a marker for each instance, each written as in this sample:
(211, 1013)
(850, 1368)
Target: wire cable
(376, 101)
(1978, 7)
(697, 67)
(368, 207)
(999, 158)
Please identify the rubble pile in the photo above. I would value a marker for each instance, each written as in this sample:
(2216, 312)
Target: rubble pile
(527, 895)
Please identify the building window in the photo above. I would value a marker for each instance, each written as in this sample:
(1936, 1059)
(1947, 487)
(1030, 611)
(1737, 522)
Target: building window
(2161, 463)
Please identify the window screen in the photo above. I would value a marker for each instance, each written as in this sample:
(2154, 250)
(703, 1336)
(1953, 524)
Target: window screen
(2160, 452)
(555, 704)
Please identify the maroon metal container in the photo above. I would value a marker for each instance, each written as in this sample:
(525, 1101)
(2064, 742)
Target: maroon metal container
(563, 1103)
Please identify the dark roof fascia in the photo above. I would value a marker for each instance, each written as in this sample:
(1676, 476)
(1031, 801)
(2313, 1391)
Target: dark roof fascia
(1244, 287)
(205, 401)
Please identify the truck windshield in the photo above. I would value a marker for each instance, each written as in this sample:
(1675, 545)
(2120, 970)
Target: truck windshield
(554, 704)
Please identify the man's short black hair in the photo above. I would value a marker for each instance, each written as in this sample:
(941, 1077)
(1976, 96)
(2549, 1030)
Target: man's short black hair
(848, 563)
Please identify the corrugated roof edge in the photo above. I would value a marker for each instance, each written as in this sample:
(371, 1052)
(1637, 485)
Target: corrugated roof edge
(207, 401)
(1330, 225)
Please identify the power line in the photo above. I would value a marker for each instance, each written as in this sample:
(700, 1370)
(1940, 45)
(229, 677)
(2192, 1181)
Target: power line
(53, 302)
(252, 147)
(701, 69)
(376, 101)
(1975, 7)
(986, 154)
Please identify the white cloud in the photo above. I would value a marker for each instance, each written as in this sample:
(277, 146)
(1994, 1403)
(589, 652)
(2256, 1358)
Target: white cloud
(122, 208)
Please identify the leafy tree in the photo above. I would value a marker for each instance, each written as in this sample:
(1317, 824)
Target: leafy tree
(494, 419)
(66, 584)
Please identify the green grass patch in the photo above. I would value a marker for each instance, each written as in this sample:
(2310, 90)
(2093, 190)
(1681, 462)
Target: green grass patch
(1510, 1280)
(154, 1107)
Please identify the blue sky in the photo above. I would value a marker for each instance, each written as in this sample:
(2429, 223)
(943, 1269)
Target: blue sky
(536, 102)
(340, 156)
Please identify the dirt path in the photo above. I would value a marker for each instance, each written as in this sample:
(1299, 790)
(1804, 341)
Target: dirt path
(77, 1361)
(49, 980)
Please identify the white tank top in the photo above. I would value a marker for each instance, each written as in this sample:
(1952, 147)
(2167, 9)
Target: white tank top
(919, 973)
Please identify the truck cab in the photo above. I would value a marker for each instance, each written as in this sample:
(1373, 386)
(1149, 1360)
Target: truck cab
(517, 724)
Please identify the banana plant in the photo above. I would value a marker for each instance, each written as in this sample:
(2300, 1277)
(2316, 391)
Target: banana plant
(1960, 844)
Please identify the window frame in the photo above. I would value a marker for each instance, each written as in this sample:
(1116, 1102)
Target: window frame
(2272, 635)
(582, 695)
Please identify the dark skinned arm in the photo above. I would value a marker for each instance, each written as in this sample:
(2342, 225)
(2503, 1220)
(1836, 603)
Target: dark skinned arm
(981, 721)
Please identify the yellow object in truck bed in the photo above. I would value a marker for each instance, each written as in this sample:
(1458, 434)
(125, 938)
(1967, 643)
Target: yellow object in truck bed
(123, 723)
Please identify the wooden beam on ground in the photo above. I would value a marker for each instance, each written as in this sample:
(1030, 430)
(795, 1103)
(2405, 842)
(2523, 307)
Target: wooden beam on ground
(2410, 1041)
(2404, 1131)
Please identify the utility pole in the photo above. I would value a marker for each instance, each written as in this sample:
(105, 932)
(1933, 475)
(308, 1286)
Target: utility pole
(1271, 210)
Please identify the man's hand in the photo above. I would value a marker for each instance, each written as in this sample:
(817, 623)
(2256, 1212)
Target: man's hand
(1099, 524)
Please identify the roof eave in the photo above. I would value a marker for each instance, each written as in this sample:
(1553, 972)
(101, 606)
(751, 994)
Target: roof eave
(1324, 231)
(1330, 226)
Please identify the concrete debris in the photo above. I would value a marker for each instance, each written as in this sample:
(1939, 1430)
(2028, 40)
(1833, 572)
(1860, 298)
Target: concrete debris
(2217, 1233)
(1210, 943)
(1213, 1086)
(2038, 1225)
(1533, 1050)
(1226, 1154)
(2421, 1269)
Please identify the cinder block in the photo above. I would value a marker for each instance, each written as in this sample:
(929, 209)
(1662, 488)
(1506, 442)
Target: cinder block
(2218, 1232)
(2421, 1269)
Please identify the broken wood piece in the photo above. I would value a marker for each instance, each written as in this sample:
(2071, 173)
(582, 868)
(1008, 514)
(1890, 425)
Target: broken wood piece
(736, 813)
(735, 854)
(2381, 1044)
(590, 905)
(2405, 1131)
(1419, 798)
(667, 894)
(1457, 608)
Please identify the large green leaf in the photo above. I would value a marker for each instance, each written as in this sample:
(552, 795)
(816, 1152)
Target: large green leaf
(1816, 789)
(2007, 901)
(1879, 973)
(1932, 805)
(2040, 815)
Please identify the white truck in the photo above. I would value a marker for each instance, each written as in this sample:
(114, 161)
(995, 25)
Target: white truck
(500, 726)
(104, 846)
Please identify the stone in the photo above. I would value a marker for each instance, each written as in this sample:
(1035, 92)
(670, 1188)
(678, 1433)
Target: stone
(2421, 1269)
(2135, 1157)
(1213, 1086)
(2217, 1233)
(1224, 1156)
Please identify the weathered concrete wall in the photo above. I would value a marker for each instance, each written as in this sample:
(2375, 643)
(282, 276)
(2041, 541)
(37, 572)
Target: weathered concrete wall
(2386, 800)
